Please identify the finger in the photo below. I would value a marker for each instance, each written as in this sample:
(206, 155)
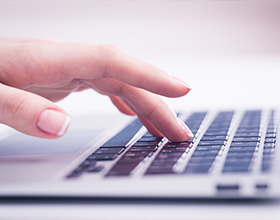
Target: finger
(150, 127)
(121, 106)
(84, 61)
(31, 114)
(149, 107)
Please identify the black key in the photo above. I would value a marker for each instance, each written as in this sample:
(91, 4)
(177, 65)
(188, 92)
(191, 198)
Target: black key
(178, 144)
(166, 159)
(248, 130)
(204, 143)
(270, 140)
(214, 138)
(137, 154)
(124, 136)
(141, 148)
(271, 135)
(239, 157)
(146, 143)
(170, 156)
(208, 147)
(100, 157)
(149, 139)
(240, 154)
(89, 163)
(172, 150)
(215, 133)
(247, 134)
(122, 169)
(196, 169)
(163, 163)
(216, 129)
(270, 130)
(159, 170)
(244, 144)
(269, 145)
(205, 153)
(246, 139)
(94, 169)
(268, 151)
(237, 160)
(242, 149)
(236, 169)
(109, 151)
(202, 159)
(229, 163)
(133, 160)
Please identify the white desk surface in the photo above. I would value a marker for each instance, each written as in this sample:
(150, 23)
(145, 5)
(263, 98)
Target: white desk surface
(228, 51)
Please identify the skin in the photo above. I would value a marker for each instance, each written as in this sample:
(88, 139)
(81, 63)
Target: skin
(35, 73)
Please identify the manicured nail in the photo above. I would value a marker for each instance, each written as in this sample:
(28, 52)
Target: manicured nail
(184, 127)
(182, 83)
(53, 122)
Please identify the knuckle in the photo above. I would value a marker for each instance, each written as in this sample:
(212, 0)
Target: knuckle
(108, 53)
(108, 50)
(150, 115)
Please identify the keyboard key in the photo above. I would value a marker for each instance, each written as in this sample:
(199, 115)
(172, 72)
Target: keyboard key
(204, 143)
(270, 140)
(240, 154)
(215, 133)
(205, 153)
(100, 157)
(122, 169)
(94, 169)
(149, 139)
(214, 138)
(172, 150)
(141, 148)
(236, 169)
(137, 153)
(160, 170)
(242, 149)
(246, 139)
(247, 134)
(197, 169)
(271, 135)
(109, 151)
(244, 144)
(202, 159)
(209, 147)
(170, 156)
(269, 145)
(178, 144)
(146, 143)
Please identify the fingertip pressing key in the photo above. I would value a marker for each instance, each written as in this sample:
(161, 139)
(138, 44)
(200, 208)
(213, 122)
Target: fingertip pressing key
(186, 130)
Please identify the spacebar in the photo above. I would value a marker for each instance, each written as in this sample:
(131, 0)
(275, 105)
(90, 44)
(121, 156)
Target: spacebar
(124, 136)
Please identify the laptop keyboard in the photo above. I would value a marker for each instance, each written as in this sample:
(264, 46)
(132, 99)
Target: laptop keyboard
(226, 142)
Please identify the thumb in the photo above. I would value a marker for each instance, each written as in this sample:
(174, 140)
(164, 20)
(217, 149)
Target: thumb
(31, 114)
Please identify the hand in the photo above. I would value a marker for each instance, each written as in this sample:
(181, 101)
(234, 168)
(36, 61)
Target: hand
(31, 69)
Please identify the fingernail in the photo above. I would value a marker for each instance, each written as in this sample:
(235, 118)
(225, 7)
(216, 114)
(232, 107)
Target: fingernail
(53, 122)
(184, 127)
(182, 83)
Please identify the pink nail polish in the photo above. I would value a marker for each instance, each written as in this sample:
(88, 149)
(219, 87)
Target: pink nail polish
(186, 130)
(182, 83)
(53, 122)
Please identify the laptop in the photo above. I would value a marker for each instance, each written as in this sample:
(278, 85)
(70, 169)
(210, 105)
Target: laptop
(234, 154)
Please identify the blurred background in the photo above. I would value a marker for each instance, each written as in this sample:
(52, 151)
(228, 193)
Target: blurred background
(228, 51)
